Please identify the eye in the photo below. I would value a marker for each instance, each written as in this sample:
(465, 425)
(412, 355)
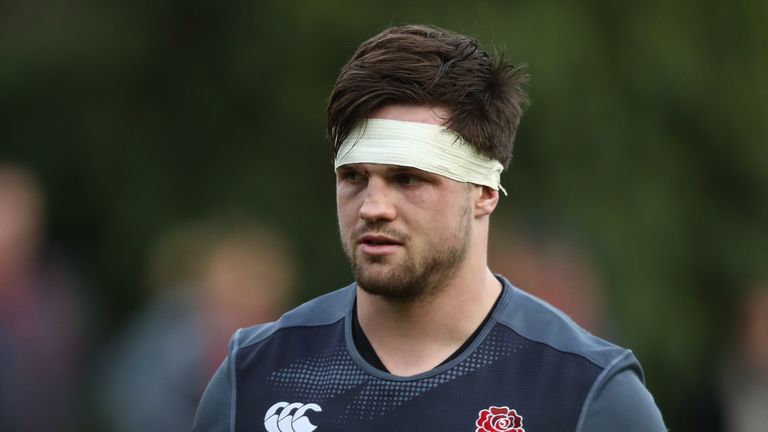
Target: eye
(349, 175)
(407, 179)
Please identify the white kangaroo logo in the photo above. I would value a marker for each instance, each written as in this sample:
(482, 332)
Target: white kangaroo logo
(287, 422)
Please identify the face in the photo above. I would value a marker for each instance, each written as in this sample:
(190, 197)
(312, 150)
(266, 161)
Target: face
(405, 231)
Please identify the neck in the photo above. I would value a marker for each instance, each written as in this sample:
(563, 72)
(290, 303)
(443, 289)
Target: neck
(411, 337)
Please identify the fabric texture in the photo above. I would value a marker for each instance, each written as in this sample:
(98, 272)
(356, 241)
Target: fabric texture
(428, 147)
(530, 368)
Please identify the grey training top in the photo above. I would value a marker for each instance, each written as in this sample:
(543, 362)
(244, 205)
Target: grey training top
(530, 369)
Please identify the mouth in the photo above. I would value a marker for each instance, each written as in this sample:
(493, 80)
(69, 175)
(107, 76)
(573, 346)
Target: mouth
(377, 244)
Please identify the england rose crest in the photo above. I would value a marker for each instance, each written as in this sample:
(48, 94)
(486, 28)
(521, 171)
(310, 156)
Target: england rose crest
(499, 419)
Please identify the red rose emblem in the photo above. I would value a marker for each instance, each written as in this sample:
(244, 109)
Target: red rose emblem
(499, 419)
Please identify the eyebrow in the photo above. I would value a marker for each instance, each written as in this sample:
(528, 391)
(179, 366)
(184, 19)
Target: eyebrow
(398, 169)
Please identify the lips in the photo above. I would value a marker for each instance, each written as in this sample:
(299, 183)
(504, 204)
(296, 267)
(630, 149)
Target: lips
(377, 240)
(378, 244)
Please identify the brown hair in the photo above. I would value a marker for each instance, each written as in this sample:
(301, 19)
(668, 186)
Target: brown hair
(423, 65)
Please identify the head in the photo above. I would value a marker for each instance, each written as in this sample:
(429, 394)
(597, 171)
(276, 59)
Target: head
(239, 272)
(753, 326)
(409, 219)
(246, 277)
(482, 98)
(553, 263)
(21, 220)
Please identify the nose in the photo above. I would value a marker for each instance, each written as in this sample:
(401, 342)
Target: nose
(378, 203)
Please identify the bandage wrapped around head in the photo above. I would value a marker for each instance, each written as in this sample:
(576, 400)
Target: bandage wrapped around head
(424, 146)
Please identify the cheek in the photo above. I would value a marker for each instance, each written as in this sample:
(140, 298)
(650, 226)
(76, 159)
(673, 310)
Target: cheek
(347, 216)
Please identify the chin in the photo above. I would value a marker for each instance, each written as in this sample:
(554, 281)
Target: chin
(390, 282)
(375, 280)
(390, 291)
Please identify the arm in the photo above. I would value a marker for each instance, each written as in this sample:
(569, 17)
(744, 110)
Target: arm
(619, 401)
(216, 410)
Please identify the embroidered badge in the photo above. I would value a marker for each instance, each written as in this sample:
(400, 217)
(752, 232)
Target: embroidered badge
(499, 419)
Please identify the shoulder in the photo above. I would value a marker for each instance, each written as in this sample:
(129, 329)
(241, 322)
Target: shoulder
(538, 321)
(320, 311)
(217, 406)
(616, 397)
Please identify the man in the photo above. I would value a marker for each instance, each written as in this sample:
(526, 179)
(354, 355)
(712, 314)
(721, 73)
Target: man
(427, 339)
(42, 337)
(208, 279)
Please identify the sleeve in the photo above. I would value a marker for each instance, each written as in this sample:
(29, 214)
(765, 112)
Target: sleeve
(215, 413)
(620, 401)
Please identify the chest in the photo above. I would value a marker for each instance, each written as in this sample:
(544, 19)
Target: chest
(504, 385)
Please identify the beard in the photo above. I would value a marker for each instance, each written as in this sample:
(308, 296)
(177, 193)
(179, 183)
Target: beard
(412, 277)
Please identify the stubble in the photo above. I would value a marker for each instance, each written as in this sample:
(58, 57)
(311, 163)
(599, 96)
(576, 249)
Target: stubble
(420, 274)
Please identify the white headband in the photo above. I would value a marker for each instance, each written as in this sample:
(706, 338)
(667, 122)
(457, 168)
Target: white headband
(424, 146)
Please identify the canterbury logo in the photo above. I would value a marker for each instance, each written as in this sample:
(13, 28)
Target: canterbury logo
(285, 417)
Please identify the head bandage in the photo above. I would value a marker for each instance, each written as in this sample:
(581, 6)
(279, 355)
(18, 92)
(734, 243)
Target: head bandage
(424, 146)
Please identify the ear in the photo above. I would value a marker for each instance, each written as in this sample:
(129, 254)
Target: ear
(485, 200)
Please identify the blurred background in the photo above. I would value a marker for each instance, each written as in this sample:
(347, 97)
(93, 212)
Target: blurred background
(164, 179)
